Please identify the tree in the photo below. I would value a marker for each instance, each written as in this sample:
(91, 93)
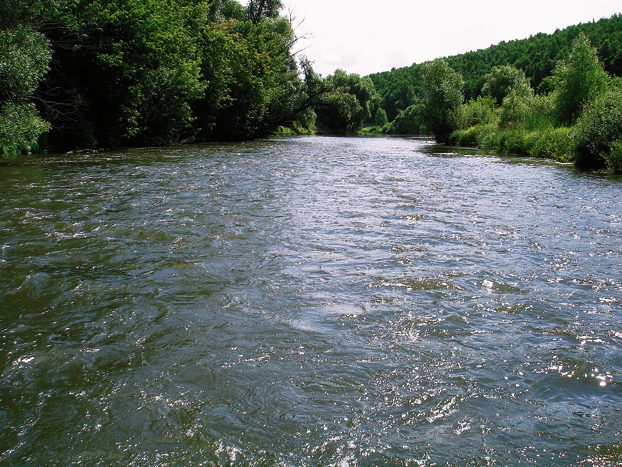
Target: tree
(130, 67)
(258, 9)
(597, 129)
(503, 79)
(349, 103)
(442, 97)
(24, 58)
(577, 79)
(380, 119)
(408, 121)
(252, 79)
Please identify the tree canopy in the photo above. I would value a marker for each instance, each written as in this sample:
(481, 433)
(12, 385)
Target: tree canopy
(107, 73)
(577, 79)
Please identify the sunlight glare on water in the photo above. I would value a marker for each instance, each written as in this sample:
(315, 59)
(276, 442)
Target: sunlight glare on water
(309, 301)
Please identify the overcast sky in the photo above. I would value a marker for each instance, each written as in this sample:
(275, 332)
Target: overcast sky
(365, 36)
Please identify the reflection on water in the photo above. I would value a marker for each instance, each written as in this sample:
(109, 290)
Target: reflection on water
(309, 301)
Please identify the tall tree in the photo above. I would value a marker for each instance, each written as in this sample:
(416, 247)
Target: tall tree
(442, 97)
(131, 67)
(577, 79)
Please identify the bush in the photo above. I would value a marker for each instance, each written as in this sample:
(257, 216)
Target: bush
(541, 113)
(597, 129)
(381, 117)
(481, 111)
(515, 111)
(613, 158)
(553, 143)
(20, 127)
(466, 137)
(408, 121)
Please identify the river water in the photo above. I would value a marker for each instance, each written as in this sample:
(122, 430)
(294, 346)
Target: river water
(309, 301)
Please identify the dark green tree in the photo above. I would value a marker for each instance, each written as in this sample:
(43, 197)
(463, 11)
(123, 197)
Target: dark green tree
(258, 9)
(380, 119)
(503, 79)
(127, 70)
(577, 79)
(441, 98)
(409, 121)
(349, 103)
(24, 58)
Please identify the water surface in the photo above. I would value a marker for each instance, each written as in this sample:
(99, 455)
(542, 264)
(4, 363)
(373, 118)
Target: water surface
(309, 301)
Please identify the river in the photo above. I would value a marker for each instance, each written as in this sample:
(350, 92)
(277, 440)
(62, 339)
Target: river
(309, 301)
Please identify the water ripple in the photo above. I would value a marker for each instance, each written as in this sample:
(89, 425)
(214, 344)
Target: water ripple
(309, 301)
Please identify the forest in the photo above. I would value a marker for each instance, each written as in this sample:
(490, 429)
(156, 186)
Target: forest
(555, 96)
(100, 74)
(90, 74)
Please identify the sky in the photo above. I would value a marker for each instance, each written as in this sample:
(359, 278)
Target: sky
(365, 36)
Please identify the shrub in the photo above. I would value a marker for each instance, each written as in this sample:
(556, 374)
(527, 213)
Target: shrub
(597, 129)
(381, 117)
(20, 127)
(387, 128)
(408, 121)
(613, 158)
(553, 143)
(541, 113)
(475, 112)
(515, 111)
(466, 137)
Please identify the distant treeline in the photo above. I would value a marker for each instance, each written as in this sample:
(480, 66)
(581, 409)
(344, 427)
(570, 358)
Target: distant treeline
(556, 96)
(535, 56)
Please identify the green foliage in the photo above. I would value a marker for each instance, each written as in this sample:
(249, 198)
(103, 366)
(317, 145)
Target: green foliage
(514, 112)
(20, 128)
(223, 10)
(614, 158)
(251, 78)
(549, 143)
(541, 114)
(441, 97)
(24, 58)
(535, 56)
(577, 79)
(409, 121)
(511, 118)
(480, 111)
(256, 10)
(552, 143)
(348, 105)
(134, 72)
(598, 128)
(397, 89)
(504, 79)
(471, 136)
(380, 119)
